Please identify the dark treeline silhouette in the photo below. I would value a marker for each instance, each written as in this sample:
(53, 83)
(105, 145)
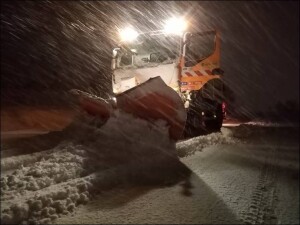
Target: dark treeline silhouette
(283, 112)
(287, 111)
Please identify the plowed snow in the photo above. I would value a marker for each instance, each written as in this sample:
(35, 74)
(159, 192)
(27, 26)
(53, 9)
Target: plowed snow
(37, 187)
(128, 171)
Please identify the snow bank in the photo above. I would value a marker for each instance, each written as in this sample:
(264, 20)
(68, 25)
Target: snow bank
(142, 150)
(94, 157)
(247, 130)
(271, 124)
(189, 147)
(263, 130)
(14, 162)
(33, 193)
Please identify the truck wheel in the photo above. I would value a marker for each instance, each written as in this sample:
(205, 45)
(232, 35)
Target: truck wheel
(215, 124)
(193, 126)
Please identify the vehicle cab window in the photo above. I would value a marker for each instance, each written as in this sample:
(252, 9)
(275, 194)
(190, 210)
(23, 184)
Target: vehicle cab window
(199, 47)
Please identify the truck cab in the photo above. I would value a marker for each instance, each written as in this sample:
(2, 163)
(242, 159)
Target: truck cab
(188, 63)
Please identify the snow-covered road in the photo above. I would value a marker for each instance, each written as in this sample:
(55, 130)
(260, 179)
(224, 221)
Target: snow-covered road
(252, 182)
(245, 174)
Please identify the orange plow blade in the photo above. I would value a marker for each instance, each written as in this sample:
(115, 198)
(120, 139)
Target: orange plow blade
(154, 100)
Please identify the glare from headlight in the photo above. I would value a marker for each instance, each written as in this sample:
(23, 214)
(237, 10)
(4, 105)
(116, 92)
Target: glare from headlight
(128, 34)
(175, 26)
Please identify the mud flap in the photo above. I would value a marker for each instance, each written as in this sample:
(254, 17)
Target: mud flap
(153, 100)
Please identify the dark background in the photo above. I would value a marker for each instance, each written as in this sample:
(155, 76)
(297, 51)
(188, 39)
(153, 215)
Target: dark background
(49, 47)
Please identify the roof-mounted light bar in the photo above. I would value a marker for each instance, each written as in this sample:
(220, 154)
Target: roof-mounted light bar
(128, 34)
(172, 26)
(175, 26)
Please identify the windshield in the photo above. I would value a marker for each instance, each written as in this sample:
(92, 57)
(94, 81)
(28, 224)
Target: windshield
(199, 47)
(149, 51)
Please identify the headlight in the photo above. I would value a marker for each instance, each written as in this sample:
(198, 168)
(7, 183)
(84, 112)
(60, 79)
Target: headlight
(128, 34)
(175, 26)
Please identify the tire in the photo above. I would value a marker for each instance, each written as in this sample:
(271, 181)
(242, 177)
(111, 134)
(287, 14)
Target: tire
(194, 126)
(215, 124)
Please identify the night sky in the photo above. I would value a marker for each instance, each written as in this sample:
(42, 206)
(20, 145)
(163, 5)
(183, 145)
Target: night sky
(49, 47)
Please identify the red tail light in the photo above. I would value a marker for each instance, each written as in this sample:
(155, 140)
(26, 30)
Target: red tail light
(224, 109)
(223, 106)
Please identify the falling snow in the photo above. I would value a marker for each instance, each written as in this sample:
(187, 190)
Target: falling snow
(127, 170)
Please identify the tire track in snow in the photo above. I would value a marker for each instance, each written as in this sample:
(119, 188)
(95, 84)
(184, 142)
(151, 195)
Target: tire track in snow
(264, 199)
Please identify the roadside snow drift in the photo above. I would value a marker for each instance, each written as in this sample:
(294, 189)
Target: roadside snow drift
(189, 147)
(93, 157)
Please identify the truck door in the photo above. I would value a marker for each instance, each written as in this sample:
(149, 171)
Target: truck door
(200, 60)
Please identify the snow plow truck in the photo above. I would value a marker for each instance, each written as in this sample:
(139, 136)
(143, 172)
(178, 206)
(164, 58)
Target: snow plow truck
(170, 74)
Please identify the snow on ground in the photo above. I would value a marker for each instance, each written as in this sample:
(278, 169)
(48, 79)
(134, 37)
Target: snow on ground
(189, 147)
(127, 171)
(271, 124)
(251, 181)
(37, 187)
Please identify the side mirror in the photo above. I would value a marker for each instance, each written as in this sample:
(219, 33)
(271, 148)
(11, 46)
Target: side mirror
(134, 51)
(115, 52)
(187, 38)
